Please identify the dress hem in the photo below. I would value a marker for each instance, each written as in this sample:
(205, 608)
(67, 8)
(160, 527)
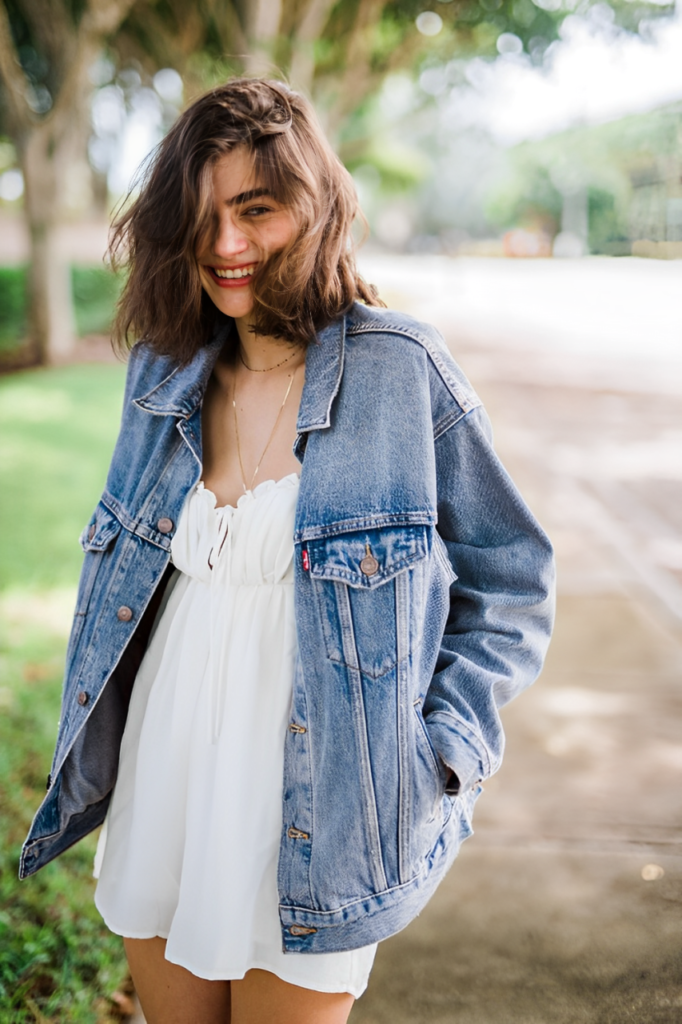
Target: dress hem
(255, 965)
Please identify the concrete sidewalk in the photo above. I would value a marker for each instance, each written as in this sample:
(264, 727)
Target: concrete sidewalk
(565, 906)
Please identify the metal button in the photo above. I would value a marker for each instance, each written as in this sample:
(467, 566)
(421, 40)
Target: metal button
(124, 614)
(92, 531)
(83, 698)
(298, 929)
(369, 564)
(164, 525)
(295, 833)
(295, 727)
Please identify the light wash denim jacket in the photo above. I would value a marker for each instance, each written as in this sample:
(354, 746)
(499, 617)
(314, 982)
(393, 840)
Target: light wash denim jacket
(423, 590)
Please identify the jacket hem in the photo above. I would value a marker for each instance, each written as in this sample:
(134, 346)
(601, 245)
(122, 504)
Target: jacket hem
(371, 919)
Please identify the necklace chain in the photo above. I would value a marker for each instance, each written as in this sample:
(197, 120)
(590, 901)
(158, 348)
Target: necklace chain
(272, 432)
(267, 369)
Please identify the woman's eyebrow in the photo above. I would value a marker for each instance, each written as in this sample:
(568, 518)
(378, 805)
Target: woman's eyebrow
(244, 197)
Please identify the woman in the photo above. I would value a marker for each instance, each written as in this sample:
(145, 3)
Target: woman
(319, 638)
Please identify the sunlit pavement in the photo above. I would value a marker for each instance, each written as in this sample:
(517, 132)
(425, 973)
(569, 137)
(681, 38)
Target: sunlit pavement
(566, 904)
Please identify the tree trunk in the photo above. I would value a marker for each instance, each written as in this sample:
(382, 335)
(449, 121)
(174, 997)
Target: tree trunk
(45, 148)
(51, 319)
(309, 30)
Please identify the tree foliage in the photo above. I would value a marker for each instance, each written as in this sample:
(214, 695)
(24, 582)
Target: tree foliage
(338, 51)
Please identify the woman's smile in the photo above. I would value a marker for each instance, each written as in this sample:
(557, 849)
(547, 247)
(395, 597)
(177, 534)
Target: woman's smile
(233, 277)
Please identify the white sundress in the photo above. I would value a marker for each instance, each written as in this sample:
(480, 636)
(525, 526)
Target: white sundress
(190, 846)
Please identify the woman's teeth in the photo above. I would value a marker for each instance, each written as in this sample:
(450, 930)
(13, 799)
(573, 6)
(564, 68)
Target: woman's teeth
(237, 272)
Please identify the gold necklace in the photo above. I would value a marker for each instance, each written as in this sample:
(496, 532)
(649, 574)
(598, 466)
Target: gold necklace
(267, 369)
(272, 433)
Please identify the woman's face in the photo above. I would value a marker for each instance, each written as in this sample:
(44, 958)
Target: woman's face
(251, 225)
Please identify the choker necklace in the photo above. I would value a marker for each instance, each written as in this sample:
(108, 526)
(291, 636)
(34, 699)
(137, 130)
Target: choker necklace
(267, 369)
(272, 433)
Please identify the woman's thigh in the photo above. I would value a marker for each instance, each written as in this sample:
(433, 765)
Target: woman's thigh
(170, 994)
(263, 998)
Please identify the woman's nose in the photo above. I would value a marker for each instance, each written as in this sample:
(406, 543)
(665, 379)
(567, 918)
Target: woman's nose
(229, 240)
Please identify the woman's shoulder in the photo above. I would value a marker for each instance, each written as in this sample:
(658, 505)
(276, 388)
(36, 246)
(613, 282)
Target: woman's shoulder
(411, 344)
(364, 319)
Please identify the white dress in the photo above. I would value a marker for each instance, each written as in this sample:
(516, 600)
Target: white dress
(190, 846)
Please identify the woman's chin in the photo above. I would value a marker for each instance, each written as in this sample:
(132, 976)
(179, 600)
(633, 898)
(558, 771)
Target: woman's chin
(236, 305)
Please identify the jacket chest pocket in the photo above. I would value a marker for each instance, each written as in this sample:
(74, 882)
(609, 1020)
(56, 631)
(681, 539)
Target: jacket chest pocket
(96, 540)
(369, 586)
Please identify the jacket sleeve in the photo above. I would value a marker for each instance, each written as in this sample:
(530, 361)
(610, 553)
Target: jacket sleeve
(501, 604)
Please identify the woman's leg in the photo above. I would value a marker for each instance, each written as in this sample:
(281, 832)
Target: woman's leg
(170, 994)
(263, 998)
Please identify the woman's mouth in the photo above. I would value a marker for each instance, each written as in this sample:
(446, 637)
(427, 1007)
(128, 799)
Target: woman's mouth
(232, 277)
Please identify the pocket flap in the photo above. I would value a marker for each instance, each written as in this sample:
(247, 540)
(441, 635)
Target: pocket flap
(368, 558)
(102, 529)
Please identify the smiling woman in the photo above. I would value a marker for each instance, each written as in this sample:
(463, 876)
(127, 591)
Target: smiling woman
(282, 172)
(308, 586)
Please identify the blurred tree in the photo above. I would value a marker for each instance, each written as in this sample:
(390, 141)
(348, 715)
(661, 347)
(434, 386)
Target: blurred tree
(47, 48)
(338, 51)
(630, 170)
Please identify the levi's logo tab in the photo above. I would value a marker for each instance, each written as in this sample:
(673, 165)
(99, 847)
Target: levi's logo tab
(306, 560)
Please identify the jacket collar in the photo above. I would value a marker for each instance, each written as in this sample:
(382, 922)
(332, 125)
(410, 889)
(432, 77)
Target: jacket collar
(323, 372)
(182, 391)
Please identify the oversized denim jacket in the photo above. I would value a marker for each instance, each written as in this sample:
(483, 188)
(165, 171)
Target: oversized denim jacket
(405, 656)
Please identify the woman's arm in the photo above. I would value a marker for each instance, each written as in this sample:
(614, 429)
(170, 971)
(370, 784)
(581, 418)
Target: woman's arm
(501, 604)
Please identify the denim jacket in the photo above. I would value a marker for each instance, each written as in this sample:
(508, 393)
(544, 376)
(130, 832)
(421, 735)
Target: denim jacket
(423, 596)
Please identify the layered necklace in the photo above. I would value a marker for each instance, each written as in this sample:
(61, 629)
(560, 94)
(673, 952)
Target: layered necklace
(249, 487)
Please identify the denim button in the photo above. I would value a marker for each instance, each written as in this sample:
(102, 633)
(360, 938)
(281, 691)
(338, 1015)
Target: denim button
(295, 727)
(295, 833)
(124, 614)
(297, 929)
(369, 565)
(83, 698)
(164, 525)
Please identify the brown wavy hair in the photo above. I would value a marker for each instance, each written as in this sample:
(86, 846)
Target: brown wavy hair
(299, 290)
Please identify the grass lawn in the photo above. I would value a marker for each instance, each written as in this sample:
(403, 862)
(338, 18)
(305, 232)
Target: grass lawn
(57, 428)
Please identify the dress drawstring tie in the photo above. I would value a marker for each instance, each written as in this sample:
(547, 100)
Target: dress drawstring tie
(220, 563)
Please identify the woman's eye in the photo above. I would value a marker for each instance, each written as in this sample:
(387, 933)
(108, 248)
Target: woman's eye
(257, 211)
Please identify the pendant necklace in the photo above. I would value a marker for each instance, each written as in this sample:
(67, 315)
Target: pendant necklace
(272, 433)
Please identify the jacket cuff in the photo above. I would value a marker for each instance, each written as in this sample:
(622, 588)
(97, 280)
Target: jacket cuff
(459, 748)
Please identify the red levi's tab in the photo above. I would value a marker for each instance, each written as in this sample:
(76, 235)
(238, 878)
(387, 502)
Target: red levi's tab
(306, 560)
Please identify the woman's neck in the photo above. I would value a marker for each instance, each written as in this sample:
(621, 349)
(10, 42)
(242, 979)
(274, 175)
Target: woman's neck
(260, 351)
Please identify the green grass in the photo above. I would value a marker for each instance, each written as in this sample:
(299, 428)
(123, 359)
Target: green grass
(94, 289)
(57, 427)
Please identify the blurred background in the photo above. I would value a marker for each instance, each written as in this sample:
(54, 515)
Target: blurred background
(520, 166)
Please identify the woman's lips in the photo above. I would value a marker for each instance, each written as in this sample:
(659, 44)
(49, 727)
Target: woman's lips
(245, 273)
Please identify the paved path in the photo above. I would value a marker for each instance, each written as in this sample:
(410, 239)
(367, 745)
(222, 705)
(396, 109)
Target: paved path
(566, 905)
